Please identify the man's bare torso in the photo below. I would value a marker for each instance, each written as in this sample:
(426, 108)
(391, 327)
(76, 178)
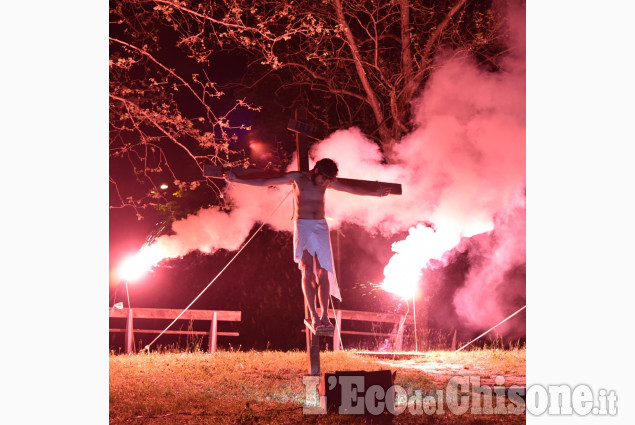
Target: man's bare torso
(309, 197)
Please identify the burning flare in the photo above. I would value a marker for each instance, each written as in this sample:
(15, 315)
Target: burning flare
(412, 255)
(134, 267)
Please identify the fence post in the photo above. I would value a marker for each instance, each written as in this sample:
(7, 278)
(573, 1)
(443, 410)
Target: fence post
(213, 333)
(338, 330)
(129, 333)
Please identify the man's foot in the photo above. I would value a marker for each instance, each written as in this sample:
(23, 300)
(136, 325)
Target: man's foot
(316, 323)
(327, 323)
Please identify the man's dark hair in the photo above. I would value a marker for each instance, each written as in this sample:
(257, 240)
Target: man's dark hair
(327, 167)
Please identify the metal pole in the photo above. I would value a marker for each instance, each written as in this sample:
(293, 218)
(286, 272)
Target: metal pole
(414, 314)
(127, 294)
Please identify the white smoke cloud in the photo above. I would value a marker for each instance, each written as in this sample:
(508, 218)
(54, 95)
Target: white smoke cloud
(470, 140)
(212, 229)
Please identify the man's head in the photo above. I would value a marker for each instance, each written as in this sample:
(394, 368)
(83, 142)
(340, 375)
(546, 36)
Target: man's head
(326, 169)
(324, 172)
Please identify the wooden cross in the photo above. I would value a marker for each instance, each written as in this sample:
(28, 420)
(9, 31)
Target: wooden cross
(303, 131)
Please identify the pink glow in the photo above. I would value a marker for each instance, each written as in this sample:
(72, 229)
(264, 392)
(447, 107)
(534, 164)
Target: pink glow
(134, 267)
(412, 255)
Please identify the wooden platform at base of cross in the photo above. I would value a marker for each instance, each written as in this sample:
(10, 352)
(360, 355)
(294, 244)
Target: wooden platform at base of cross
(319, 331)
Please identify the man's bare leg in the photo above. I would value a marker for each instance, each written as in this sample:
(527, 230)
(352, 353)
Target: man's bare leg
(323, 292)
(308, 286)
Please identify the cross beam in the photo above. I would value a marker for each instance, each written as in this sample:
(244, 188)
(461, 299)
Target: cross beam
(259, 173)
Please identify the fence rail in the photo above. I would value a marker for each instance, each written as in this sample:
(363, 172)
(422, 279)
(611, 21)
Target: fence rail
(213, 316)
(369, 316)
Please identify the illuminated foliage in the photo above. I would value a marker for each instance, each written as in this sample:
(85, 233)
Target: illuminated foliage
(355, 62)
(166, 114)
(351, 63)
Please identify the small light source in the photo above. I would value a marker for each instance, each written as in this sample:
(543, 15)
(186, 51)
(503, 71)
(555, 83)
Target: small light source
(164, 186)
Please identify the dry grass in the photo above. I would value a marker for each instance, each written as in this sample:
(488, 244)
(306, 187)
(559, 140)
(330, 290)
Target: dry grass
(266, 387)
(502, 362)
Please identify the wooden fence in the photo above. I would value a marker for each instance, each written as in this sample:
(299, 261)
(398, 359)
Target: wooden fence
(214, 316)
(367, 316)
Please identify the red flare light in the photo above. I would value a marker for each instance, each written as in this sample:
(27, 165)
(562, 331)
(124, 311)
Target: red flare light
(134, 267)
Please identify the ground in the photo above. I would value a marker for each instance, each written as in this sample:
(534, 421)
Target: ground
(267, 386)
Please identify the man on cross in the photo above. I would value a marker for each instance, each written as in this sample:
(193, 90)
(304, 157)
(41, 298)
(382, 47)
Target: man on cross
(311, 240)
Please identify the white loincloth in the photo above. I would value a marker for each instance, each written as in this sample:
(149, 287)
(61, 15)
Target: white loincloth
(313, 236)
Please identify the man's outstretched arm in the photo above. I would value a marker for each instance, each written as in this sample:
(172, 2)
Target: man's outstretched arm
(271, 181)
(349, 186)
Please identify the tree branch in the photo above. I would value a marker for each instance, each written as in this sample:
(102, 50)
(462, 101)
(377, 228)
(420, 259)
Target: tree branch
(361, 73)
(432, 40)
(161, 129)
(211, 114)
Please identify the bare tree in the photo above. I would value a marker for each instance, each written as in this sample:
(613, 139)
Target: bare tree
(355, 62)
(351, 62)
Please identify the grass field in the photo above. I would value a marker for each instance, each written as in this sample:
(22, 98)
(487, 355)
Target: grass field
(266, 386)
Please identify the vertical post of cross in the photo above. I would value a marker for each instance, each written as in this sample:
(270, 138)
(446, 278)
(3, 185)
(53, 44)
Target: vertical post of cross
(301, 141)
(302, 149)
